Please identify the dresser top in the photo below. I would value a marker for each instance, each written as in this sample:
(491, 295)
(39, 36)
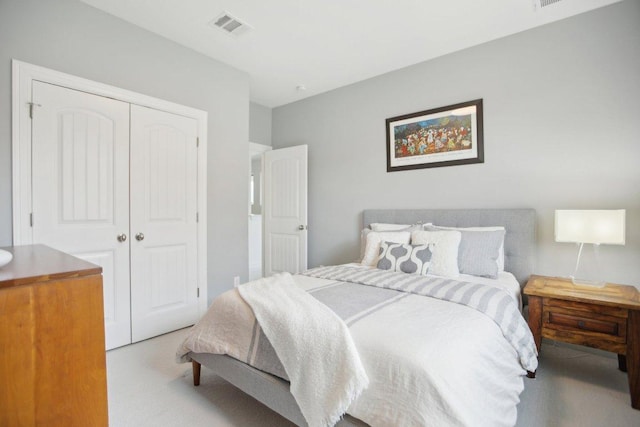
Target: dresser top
(40, 263)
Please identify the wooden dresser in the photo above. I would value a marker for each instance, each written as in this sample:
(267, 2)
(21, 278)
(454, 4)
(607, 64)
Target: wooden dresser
(52, 350)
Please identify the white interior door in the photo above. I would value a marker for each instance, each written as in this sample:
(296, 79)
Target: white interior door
(80, 195)
(164, 285)
(285, 210)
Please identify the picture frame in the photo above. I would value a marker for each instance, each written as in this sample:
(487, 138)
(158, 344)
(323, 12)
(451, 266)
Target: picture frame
(444, 136)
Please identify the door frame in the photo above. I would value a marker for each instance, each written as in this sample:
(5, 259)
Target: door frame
(23, 75)
(256, 149)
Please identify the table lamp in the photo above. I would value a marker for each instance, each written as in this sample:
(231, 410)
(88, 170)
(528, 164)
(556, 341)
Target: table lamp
(593, 227)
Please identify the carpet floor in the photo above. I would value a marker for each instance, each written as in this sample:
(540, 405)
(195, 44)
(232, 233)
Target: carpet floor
(147, 388)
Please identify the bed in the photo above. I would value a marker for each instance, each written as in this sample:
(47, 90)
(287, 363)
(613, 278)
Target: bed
(457, 390)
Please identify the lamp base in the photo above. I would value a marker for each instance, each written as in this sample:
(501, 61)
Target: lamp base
(588, 265)
(584, 282)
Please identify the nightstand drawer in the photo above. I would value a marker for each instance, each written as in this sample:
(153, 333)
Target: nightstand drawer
(586, 308)
(580, 326)
(578, 321)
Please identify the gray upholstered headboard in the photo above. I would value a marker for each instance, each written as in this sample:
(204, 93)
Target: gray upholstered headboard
(520, 225)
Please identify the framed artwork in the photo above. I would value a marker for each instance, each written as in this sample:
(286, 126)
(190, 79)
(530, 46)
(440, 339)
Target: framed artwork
(444, 136)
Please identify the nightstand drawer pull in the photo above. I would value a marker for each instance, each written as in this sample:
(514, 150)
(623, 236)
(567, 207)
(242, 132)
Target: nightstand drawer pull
(604, 327)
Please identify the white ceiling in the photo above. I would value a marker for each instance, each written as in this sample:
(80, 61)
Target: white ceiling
(326, 44)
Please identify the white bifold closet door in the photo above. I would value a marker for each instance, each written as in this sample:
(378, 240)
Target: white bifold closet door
(80, 179)
(163, 222)
(115, 184)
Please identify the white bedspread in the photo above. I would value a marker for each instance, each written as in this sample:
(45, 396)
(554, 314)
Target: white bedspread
(461, 372)
(429, 362)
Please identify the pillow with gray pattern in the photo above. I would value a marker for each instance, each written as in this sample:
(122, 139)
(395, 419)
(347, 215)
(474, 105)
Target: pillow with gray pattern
(411, 259)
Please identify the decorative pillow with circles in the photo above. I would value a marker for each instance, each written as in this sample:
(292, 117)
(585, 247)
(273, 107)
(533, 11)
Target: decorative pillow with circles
(372, 240)
(411, 259)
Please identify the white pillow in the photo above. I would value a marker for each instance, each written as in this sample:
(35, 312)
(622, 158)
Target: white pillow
(444, 246)
(373, 240)
(493, 228)
(381, 226)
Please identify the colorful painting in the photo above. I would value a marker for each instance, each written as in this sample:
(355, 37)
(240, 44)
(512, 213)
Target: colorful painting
(444, 136)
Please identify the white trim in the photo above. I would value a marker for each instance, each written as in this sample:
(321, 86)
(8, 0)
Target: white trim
(202, 211)
(255, 148)
(23, 75)
(21, 158)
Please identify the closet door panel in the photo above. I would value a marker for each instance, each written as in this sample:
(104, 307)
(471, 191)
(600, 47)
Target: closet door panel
(163, 222)
(80, 194)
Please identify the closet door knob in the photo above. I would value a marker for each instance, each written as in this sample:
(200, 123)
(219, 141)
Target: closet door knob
(139, 237)
(122, 237)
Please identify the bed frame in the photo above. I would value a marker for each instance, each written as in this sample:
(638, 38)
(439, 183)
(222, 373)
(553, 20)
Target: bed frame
(519, 250)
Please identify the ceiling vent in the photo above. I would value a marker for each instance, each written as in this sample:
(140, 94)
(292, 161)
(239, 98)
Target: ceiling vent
(230, 24)
(539, 4)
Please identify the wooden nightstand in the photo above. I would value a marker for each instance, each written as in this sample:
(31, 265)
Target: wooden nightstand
(606, 318)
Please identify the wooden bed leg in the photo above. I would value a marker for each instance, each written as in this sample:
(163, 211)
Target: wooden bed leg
(196, 373)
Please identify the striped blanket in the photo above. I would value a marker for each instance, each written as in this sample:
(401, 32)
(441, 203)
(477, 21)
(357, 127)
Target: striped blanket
(492, 302)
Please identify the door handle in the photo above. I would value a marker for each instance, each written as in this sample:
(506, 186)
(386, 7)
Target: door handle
(122, 237)
(302, 227)
(139, 237)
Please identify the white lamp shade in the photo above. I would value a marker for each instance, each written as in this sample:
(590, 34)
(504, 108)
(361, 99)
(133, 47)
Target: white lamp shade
(590, 226)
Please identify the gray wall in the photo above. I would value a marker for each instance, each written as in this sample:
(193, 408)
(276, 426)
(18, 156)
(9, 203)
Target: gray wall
(561, 117)
(72, 37)
(259, 124)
